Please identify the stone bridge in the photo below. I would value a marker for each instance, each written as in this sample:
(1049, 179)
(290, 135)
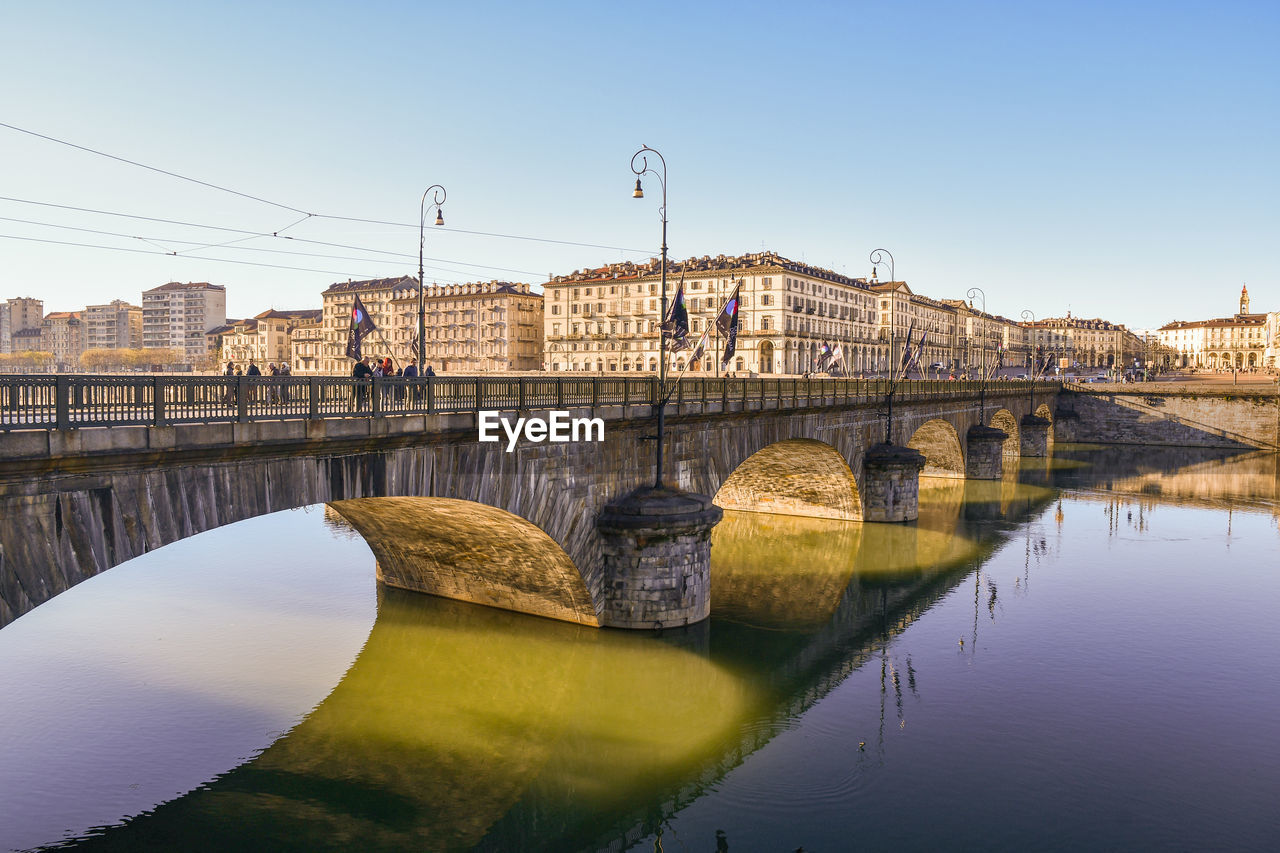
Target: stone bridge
(447, 514)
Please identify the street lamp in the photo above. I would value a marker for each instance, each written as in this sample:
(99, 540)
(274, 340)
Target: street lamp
(437, 199)
(982, 354)
(1030, 316)
(877, 258)
(643, 169)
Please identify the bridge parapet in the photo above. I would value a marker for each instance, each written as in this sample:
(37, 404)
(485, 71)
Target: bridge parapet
(77, 501)
(74, 402)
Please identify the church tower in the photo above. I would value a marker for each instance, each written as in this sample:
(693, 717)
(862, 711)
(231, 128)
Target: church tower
(1244, 299)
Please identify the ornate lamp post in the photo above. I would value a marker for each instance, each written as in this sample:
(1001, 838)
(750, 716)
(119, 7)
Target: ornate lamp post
(436, 200)
(877, 258)
(645, 168)
(1030, 316)
(982, 356)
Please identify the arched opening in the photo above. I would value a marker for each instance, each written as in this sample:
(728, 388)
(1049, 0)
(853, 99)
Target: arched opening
(799, 476)
(940, 444)
(1004, 420)
(471, 552)
(766, 357)
(1043, 411)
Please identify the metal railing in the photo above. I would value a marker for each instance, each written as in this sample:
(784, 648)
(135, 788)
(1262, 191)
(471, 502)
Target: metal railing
(72, 402)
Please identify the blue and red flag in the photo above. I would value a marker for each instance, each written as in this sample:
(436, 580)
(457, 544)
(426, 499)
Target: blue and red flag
(727, 326)
(361, 326)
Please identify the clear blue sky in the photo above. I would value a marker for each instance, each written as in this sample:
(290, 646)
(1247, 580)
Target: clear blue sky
(1115, 159)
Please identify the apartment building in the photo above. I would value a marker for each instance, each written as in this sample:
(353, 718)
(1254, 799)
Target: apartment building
(17, 315)
(116, 325)
(1244, 340)
(177, 316)
(265, 338)
(306, 346)
(62, 334)
(473, 327)
(606, 319)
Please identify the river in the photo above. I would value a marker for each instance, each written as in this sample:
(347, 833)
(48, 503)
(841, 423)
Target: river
(1085, 655)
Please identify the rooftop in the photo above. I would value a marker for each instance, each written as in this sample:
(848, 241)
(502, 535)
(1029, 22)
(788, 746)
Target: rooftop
(707, 264)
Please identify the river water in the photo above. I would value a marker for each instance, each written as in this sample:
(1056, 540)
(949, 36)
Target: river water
(1085, 655)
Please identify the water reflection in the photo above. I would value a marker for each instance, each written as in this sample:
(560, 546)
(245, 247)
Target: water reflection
(460, 727)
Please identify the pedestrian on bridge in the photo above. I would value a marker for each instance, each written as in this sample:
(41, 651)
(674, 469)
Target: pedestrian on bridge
(360, 372)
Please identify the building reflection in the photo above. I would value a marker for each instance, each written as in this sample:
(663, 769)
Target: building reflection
(465, 727)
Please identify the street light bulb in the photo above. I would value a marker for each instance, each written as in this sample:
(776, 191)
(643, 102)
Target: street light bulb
(639, 193)
(439, 216)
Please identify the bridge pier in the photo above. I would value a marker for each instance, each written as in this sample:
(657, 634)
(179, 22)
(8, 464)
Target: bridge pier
(1033, 435)
(985, 457)
(891, 483)
(657, 558)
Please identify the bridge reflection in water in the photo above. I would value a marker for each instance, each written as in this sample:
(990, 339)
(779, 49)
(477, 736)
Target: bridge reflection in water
(466, 727)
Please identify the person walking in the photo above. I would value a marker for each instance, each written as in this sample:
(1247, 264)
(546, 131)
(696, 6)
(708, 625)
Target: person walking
(410, 372)
(361, 371)
(273, 393)
(252, 370)
(230, 397)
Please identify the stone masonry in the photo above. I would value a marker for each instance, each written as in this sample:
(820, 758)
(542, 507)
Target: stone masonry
(77, 502)
(1170, 414)
(657, 551)
(891, 483)
(985, 459)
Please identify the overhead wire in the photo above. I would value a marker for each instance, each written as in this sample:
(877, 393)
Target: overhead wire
(153, 168)
(171, 254)
(250, 235)
(306, 214)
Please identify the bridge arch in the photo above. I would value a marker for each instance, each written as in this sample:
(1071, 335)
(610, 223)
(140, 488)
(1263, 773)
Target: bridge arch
(1004, 420)
(795, 476)
(940, 443)
(471, 552)
(1043, 411)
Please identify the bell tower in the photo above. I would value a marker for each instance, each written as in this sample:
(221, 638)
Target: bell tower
(1244, 299)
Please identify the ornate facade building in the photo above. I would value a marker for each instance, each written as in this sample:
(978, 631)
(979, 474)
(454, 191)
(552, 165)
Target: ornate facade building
(1074, 342)
(62, 333)
(606, 319)
(1227, 343)
(265, 338)
(306, 343)
(475, 327)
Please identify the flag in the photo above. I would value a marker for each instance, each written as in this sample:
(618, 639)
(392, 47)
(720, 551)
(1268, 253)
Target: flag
(906, 351)
(701, 346)
(824, 356)
(675, 326)
(727, 326)
(361, 326)
(837, 357)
